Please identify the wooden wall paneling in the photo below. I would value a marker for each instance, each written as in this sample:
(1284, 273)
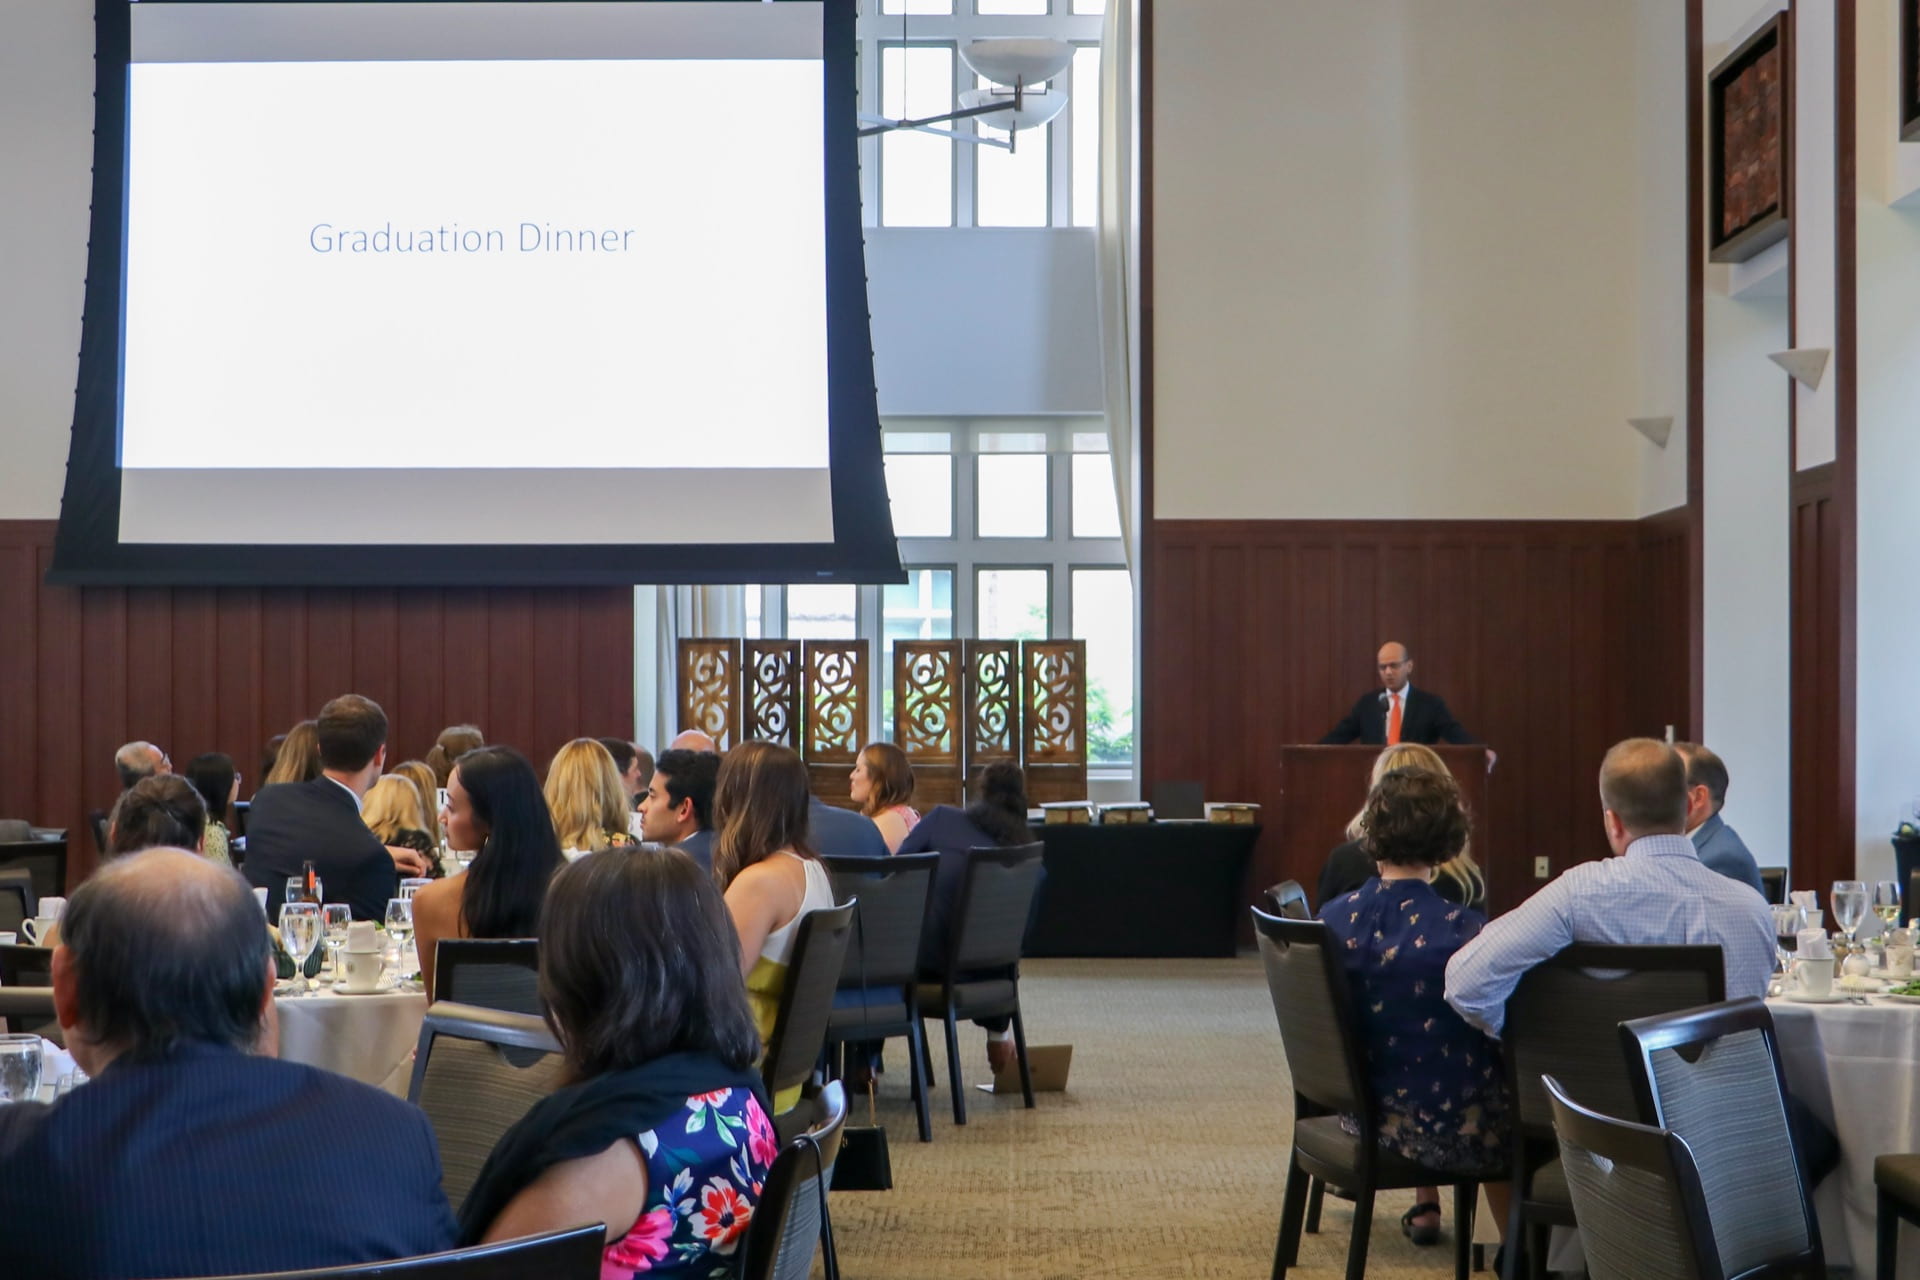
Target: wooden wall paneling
(104, 722)
(607, 661)
(375, 668)
(466, 660)
(329, 670)
(1822, 849)
(511, 689)
(195, 678)
(283, 673)
(59, 736)
(149, 661)
(1223, 643)
(19, 693)
(420, 707)
(237, 663)
(553, 671)
(1317, 686)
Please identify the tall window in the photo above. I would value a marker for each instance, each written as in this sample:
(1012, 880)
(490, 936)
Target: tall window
(1010, 531)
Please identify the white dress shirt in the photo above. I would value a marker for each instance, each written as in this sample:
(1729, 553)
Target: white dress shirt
(358, 804)
(1656, 893)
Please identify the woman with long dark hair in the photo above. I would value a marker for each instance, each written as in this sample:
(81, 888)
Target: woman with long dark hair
(213, 776)
(493, 805)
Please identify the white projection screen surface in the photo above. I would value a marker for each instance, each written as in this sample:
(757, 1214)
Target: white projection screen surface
(471, 275)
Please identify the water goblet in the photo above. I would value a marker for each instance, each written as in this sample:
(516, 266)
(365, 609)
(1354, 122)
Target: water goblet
(1850, 899)
(400, 929)
(20, 1061)
(337, 916)
(301, 929)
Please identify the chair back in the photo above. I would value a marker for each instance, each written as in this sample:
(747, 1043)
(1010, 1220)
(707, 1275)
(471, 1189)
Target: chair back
(573, 1254)
(996, 901)
(44, 860)
(97, 823)
(806, 1001)
(471, 1088)
(1315, 1013)
(18, 901)
(786, 1225)
(1712, 1076)
(25, 966)
(494, 973)
(25, 1010)
(1287, 900)
(1773, 883)
(892, 892)
(15, 830)
(1563, 1020)
(1636, 1195)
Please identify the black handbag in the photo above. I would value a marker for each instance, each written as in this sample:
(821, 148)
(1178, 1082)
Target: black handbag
(864, 1163)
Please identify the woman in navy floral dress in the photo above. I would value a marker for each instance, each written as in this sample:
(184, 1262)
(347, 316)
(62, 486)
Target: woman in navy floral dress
(1439, 1091)
(662, 1133)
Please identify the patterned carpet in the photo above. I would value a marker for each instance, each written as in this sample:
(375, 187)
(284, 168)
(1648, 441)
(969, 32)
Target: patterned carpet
(1165, 1157)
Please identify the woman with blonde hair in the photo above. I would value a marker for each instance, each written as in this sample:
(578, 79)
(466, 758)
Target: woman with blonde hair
(763, 860)
(1351, 865)
(394, 811)
(587, 798)
(299, 757)
(455, 741)
(417, 772)
(882, 785)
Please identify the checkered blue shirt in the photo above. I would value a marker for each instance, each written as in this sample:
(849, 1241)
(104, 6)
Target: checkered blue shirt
(1657, 893)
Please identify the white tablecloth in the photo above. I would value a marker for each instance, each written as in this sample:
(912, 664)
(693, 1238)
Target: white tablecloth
(1858, 1068)
(370, 1038)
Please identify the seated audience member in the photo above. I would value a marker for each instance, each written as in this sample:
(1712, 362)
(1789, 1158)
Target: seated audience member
(161, 810)
(395, 812)
(1655, 891)
(996, 819)
(765, 863)
(842, 833)
(455, 741)
(694, 740)
(269, 756)
(298, 759)
(1438, 1085)
(882, 786)
(139, 760)
(588, 801)
(661, 1131)
(1350, 866)
(318, 821)
(677, 807)
(1719, 845)
(635, 767)
(163, 984)
(494, 805)
(213, 776)
(418, 773)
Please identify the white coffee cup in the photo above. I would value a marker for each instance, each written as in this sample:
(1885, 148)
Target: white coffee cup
(38, 929)
(1814, 978)
(8, 939)
(362, 971)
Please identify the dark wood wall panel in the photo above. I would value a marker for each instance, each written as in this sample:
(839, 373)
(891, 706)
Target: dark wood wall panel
(198, 669)
(1822, 826)
(1550, 640)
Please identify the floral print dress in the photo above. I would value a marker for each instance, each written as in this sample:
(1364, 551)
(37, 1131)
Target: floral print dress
(705, 1170)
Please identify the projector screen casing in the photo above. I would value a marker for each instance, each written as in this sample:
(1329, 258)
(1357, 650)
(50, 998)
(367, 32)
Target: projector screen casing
(657, 532)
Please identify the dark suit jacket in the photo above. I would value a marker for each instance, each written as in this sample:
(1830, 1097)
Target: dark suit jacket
(210, 1162)
(950, 833)
(1424, 719)
(699, 847)
(842, 833)
(295, 822)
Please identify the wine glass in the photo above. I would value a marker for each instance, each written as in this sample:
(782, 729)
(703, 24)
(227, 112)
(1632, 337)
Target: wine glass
(1788, 921)
(300, 932)
(400, 929)
(1886, 902)
(1850, 899)
(337, 916)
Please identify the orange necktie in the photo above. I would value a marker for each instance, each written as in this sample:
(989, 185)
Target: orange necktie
(1393, 722)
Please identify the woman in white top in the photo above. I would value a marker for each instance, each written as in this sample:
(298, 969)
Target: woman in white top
(767, 868)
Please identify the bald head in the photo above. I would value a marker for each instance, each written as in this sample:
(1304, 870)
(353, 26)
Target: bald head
(159, 948)
(1394, 665)
(1643, 786)
(139, 760)
(692, 740)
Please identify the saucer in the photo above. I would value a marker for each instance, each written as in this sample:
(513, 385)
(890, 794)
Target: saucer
(382, 987)
(1801, 997)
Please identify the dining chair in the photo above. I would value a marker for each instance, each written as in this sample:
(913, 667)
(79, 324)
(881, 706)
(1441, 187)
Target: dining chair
(1636, 1195)
(494, 973)
(1773, 883)
(26, 966)
(1896, 1188)
(573, 1254)
(980, 976)
(466, 1078)
(875, 997)
(792, 1216)
(1314, 1007)
(29, 1011)
(1287, 899)
(1563, 1020)
(1712, 1077)
(806, 1002)
(44, 860)
(18, 901)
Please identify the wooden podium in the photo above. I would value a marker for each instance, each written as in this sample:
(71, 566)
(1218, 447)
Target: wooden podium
(1321, 788)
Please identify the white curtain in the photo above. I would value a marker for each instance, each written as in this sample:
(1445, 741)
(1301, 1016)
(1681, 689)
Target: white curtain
(1118, 252)
(679, 611)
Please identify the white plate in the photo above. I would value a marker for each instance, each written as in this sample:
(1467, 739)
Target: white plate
(1801, 997)
(1902, 999)
(383, 988)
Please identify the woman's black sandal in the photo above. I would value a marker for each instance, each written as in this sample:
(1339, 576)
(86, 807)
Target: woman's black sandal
(1421, 1234)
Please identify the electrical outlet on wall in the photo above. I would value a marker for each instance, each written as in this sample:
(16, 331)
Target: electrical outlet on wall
(1540, 869)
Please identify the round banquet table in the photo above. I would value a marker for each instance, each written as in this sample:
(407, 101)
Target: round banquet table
(1858, 1068)
(370, 1038)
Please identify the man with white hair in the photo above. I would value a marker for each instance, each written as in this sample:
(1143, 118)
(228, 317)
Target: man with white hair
(137, 761)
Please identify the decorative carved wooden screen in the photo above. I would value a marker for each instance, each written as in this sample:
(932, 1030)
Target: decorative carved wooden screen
(1054, 694)
(771, 707)
(834, 696)
(928, 723)
(710, 689)
(992, 703)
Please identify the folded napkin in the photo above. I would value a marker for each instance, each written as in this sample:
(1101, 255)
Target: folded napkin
(54, 1061)
(1805, 898)
(1813, 945)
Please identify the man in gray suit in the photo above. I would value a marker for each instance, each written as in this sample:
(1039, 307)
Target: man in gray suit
(1719, 845)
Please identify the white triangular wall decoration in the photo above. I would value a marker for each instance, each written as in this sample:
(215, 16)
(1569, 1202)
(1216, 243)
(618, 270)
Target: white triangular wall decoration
(1654, 429)
(1807, 364)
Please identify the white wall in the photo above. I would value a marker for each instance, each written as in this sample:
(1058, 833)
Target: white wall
(1395, 259)
(46, 165)
(1660, 221)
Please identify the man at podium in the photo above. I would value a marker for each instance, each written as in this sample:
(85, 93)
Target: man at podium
(1398, 712)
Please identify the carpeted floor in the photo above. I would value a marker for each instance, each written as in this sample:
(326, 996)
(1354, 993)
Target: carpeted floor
(1165, 1157)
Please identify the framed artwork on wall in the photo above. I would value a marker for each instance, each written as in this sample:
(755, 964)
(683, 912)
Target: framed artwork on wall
(1910, 70)
(1749, 145)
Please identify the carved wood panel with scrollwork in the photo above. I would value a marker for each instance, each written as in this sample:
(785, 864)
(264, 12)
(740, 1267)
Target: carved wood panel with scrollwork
(833, 694)
(710, 689)
(771, 707)
(1054, 705)
(928, 719)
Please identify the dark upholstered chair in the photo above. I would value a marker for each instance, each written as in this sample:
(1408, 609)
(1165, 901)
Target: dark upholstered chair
(788, 1223)
(44, 860)
(29, 1011)
(1287, 900)
(875, 999)
(1712, 1077)
(806, 1002)
(1896, 1182)
(1773, 883)
(18, 900)
(573, 1254)
(1636, 1195)
(472, 1090)
(981, 976)
(494, 973)
(1314, 1007)
(1563, 1020)
(25, 966)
